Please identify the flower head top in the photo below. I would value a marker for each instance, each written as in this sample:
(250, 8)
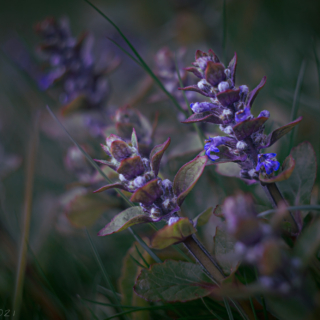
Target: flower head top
(230, 108)
(71, 63)
(159, 199)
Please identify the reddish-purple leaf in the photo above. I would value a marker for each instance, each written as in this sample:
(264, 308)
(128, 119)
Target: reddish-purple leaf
(107, 163)
(187, 177)
(197, 89)
(208, 116)
(120, 150)
(148, 193)
(255, 91)
(131, 167)
(117, 185)
(213, 55)
(232, 67)
(195, 71)
(214, 73)
(228, 97)
(246, 128)
(156, 155)
(275, 135)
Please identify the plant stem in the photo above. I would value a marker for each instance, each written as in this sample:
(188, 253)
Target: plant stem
(212, 269)
(275, 197)
(203, 257)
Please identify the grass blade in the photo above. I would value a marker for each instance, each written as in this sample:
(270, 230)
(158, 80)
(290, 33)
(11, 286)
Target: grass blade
(137, 262)
(250, 299)
(126, 52)
(226, 303)
(295, 105)
(26, 217)
(224, 31)
(102, 268)
(292, 208)
(142, 257)
(145, 66)
(317, 59)
(213, 313)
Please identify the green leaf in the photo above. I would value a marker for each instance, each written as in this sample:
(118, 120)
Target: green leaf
(156, 155)
(297, 189)
(124, 220)
(173, 281)
(187, 177)
(172, 234)
(229, 169)
(203, 217)
(224, 250)
(287, 169)
(83, 209)
(308, 242)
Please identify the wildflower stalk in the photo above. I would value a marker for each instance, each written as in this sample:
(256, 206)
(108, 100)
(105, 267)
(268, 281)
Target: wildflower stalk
(203, 257)
(213, 270)
(275, 197)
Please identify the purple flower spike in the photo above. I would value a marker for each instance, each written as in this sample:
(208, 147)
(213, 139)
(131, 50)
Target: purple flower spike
(242, 115)
(269, 162)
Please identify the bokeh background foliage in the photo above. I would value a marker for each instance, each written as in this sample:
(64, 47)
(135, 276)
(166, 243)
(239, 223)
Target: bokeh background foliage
(271, 38)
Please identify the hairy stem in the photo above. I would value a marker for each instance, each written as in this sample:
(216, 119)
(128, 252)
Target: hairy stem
(275, 197)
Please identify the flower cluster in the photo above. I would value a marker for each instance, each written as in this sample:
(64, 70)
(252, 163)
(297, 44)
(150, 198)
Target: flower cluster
(261, 245)
(230, 108)
(71, 63)
(139, 176)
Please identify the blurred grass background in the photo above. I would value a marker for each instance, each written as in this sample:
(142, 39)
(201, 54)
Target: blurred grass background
(270, 37)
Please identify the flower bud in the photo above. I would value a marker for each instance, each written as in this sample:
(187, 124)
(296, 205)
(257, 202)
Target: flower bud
(241, 145)
(223, 86)
(244, 90)
(173, 220)
(204, 85)
(264, 113)
(139, 181)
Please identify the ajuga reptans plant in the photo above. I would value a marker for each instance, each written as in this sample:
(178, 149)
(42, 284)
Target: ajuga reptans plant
(230, 108)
